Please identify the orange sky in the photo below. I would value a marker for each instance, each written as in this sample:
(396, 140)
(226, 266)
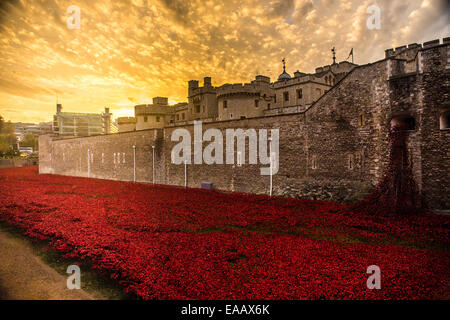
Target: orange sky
(127, 52)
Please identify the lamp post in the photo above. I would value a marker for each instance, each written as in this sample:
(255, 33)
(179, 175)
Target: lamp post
(134, 163)
(270, 154)
(185, 173)
(153, 164)
(89, 163)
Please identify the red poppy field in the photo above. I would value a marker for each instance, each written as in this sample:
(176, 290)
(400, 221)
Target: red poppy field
(163, 242)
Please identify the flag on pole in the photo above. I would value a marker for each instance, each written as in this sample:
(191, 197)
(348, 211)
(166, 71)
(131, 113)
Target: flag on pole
(350, 54)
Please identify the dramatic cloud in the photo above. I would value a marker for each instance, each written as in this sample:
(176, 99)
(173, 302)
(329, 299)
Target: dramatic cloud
(129, 51)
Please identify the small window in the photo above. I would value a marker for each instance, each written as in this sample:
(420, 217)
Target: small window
(178, 117)
(444, 120)
(145, 118)
(361, 119)
(225, 104)
(314, 162)
(407, 123)
(103, 157)
(123, 157)
(286, 96)
(118, 157)
(182, 116)
(351, 162)
(268, 106)
(359, 160)
(231, 116)
(275, 99)
(299, 93)
(157, 119)
(114, 157)
(203, 109)
(197, 109)
(319, 91)
(256, 103)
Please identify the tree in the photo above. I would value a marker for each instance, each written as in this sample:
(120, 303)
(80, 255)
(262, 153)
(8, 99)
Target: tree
(29, 140)
(8, 139)
(4, 146)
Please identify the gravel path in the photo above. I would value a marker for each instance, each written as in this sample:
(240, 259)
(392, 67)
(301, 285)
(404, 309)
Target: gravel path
(24, 276)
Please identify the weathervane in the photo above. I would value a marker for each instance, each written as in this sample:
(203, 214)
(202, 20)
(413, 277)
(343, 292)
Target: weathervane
(334, 55)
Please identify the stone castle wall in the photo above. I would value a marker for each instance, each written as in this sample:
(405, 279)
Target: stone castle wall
(335, 150)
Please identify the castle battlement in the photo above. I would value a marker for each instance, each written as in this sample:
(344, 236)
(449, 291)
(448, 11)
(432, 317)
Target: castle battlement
(194, 89)
(125, 120)
(413, 48)
(238, 88)
(252, 88)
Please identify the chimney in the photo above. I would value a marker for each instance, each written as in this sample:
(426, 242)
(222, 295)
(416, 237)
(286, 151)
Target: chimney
(207, 81)
(58, 108)
(106, 121)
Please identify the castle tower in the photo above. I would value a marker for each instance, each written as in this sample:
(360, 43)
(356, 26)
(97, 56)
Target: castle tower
(192, 85)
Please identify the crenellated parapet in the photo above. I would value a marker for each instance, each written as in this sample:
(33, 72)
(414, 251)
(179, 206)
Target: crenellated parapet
(256, 87)
(407, 60)
(238, 89)
(195, 90)
(409, 51)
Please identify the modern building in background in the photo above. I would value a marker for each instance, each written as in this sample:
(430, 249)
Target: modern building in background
(22, 128)
(81, 124)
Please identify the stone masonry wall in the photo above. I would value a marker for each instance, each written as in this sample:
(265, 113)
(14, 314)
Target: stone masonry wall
(335, 150)
(70, 156)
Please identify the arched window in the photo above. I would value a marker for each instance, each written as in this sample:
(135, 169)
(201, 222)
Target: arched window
(351, 162)
(314, 162)
(444, 120)
(405, 122)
